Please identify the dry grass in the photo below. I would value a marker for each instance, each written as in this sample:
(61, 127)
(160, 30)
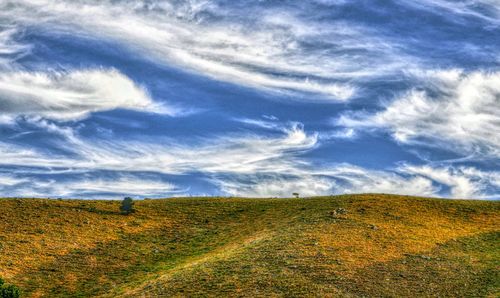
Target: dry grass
(383, 246)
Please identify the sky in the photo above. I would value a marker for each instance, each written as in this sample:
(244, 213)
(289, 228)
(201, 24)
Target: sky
(102, 99)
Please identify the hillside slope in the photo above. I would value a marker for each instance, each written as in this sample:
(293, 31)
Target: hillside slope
(382, 245)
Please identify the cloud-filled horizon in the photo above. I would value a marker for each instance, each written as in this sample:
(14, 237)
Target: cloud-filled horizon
(105, 99)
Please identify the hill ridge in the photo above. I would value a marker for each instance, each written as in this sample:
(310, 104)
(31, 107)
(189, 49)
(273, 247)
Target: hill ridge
(345, 246)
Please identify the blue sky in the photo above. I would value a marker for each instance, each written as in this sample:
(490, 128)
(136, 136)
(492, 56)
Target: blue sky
(104, 99)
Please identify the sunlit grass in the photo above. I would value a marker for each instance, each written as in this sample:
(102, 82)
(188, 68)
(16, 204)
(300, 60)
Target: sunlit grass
(382, 246)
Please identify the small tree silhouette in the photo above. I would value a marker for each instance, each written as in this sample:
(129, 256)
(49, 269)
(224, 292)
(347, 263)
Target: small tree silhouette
(296, 194)
(127, 206)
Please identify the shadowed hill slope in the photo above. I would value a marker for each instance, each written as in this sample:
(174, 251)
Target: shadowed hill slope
(347, 246)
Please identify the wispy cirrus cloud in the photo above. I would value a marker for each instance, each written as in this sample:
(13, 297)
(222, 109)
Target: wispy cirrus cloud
(463, 182)
(487, 10)
(455, 110)
(275, 185)
(327, 180)
(10, 180)
(71, 95)
(246, 165)
(266, 48)
(308, 49)
(67, 94)
(86, 187)
(354, 179)
(459, 182)
(10, 49)
(237, 154)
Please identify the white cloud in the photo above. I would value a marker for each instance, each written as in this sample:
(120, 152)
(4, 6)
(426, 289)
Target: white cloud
(339, 179)
(124, 185)
(240, 165)
(261, 48)
(7, 180)
(346, 133)
(453, 182)
(458, 111)
(71, 95)
(9, 48)
(237, 154)
(487, 10)
(275, 186)
(247, 165)
(353, 179)
(464, 182)
(86, 187)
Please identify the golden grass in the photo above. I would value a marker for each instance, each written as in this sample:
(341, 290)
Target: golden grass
(383, 246)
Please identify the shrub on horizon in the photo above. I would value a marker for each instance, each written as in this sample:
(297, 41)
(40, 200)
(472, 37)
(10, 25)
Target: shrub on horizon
(127, 206)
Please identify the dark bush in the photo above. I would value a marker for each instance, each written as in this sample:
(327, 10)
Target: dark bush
(8, 291)
(127, 206)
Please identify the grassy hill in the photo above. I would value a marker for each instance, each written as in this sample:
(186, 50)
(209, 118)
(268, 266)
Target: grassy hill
(382, 245)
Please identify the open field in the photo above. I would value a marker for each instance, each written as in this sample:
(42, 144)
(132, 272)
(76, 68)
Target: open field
(384, 245)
